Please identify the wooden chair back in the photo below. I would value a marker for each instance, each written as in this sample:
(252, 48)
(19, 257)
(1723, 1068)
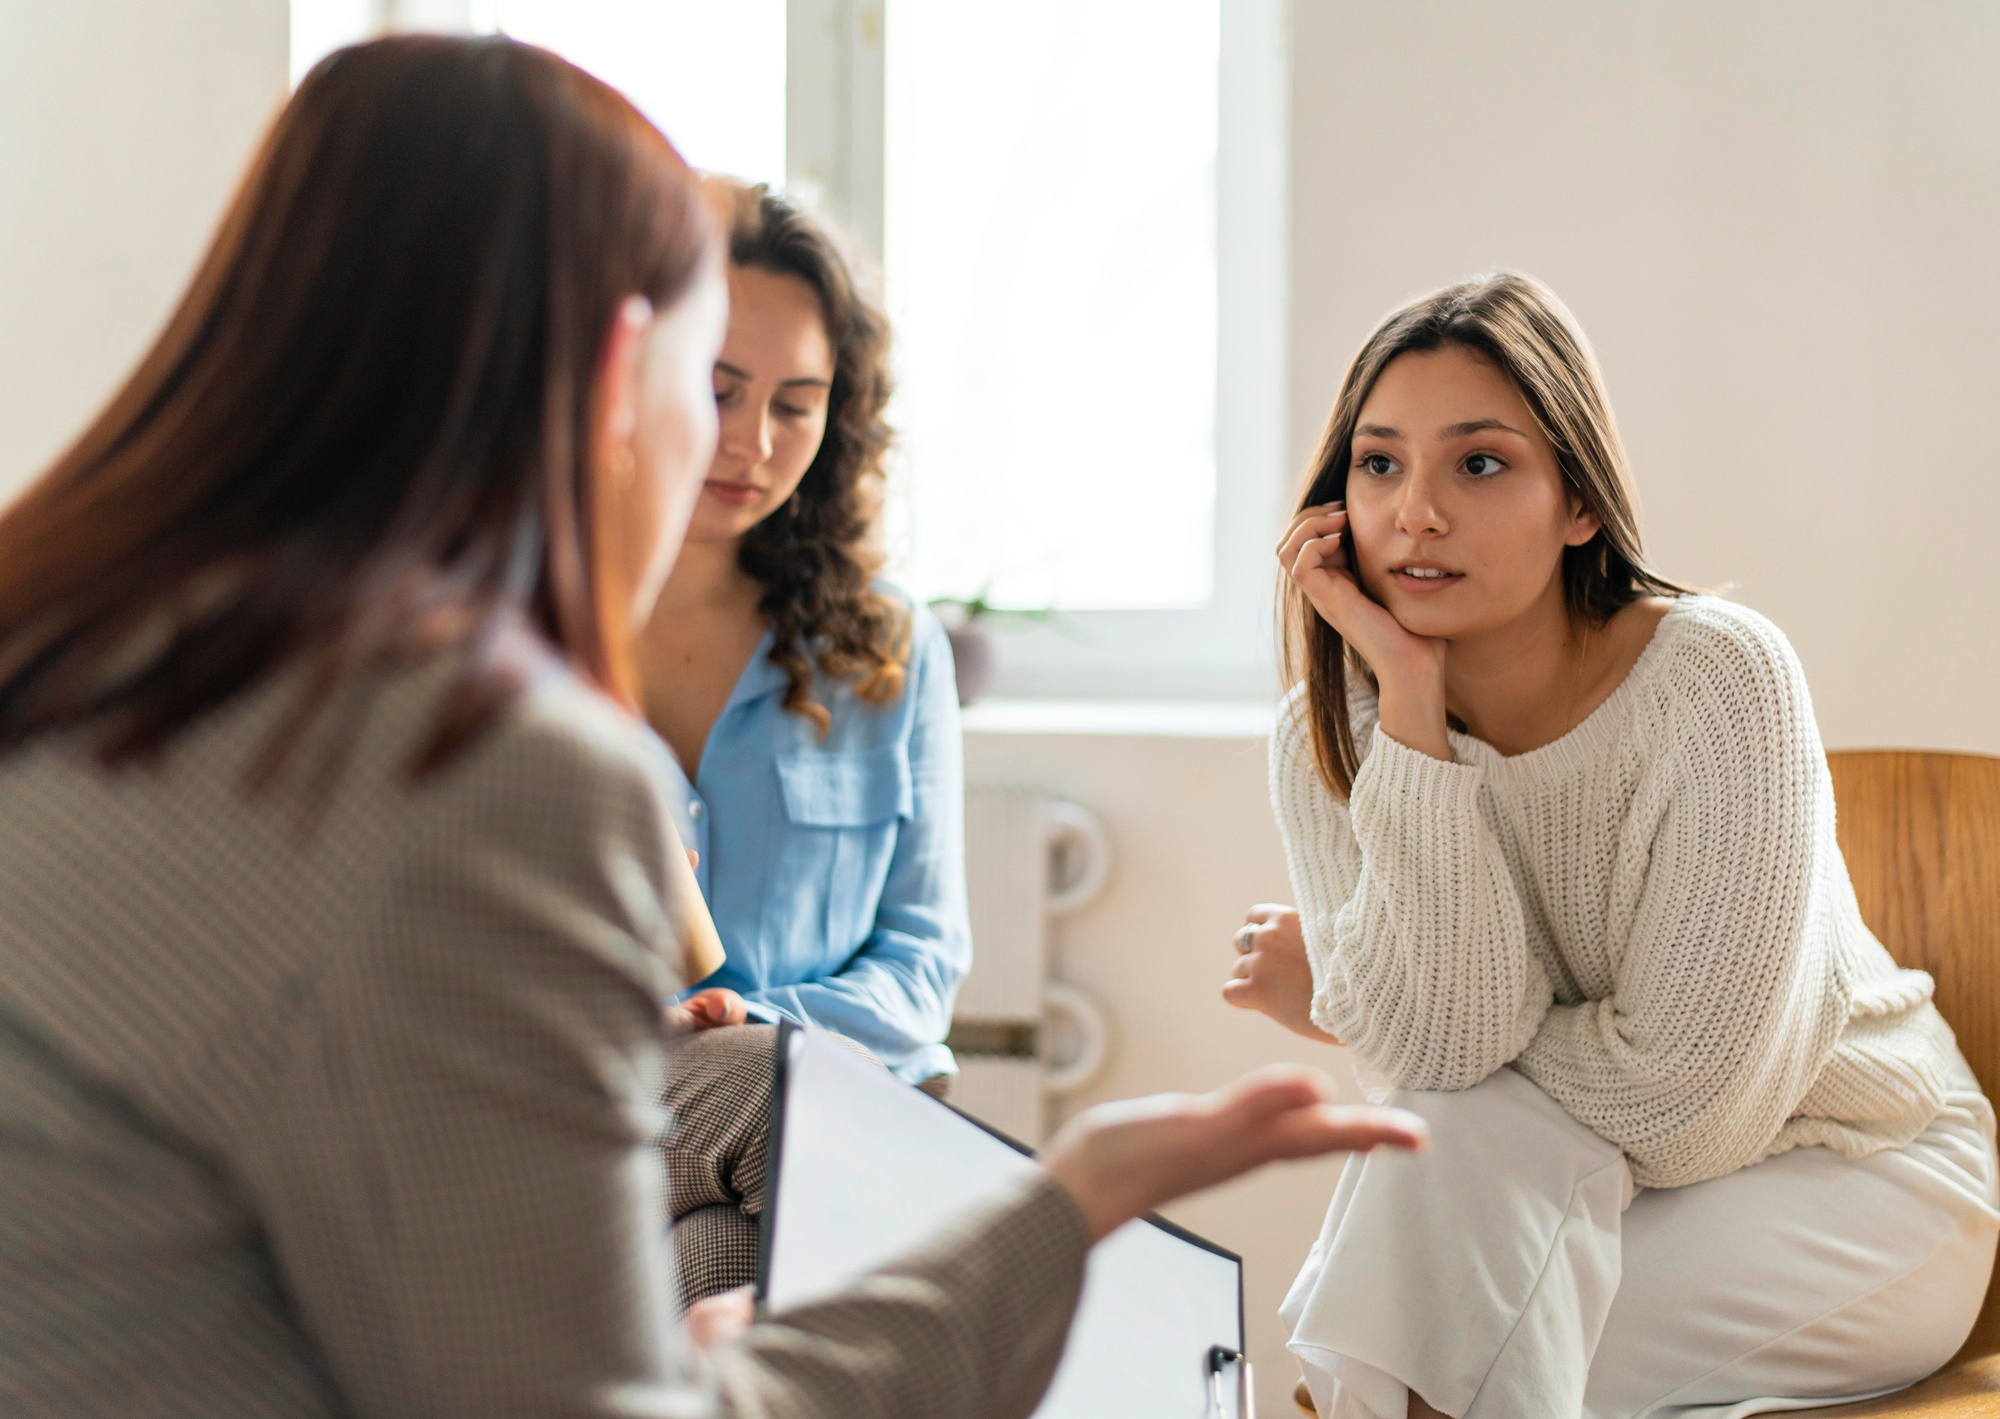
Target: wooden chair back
(1921, 834)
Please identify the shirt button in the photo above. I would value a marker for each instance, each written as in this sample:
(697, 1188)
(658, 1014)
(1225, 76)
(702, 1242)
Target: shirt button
(695, 809)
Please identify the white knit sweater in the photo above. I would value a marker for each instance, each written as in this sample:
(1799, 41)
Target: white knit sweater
(1649, 918)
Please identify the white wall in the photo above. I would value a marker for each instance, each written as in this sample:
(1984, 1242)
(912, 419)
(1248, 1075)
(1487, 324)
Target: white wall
(123, 126)
(1777, 222)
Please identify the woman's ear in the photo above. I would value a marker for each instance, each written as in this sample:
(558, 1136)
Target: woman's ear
(617, 392)
(1583, 523)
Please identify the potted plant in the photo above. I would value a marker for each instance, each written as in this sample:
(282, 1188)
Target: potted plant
(969, 622)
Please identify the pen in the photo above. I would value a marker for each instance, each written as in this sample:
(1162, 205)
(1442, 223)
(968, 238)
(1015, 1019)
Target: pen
(1218, 1356)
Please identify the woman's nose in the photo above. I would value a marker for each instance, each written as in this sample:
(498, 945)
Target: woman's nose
(1420, 510)
(745, 433)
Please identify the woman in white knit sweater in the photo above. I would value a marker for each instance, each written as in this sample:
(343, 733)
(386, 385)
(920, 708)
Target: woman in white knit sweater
(1562, 840)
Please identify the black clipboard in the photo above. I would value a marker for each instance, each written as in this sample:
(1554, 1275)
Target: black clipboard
(862, 1167)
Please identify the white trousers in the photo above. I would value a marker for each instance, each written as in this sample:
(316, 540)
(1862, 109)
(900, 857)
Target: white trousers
(1510, 1271)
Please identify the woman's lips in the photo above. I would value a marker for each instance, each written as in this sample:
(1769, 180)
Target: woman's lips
(1409, 579)
(734, 494)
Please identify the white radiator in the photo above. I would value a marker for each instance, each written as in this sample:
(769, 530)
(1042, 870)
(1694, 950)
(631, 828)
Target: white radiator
(1020, 1036)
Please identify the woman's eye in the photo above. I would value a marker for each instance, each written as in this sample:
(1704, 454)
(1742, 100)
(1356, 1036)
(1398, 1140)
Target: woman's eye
(1380, 464)
(1483, 465)
(724, 398)
(792, 411)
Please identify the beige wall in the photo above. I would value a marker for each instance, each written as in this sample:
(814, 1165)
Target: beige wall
(1193, 845)
(123, 126)
(1778, 223)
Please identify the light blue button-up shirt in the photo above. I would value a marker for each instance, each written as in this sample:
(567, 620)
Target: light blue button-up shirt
(835, 867)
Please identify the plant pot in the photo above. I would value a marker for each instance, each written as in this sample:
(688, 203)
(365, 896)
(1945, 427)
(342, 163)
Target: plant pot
(971, 660)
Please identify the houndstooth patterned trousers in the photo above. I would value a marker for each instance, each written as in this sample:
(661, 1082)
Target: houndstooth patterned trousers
(719, 1087)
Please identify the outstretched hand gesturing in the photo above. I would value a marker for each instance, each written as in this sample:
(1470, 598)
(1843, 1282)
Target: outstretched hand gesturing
(1122, 1160)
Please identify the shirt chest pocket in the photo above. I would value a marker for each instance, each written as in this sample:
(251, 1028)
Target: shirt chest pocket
(857, 789)
(842, 810)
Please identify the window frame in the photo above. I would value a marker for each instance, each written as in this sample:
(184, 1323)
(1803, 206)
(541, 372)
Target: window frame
(834, 131)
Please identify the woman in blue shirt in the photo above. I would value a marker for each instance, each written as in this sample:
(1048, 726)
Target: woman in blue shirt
(811, 708)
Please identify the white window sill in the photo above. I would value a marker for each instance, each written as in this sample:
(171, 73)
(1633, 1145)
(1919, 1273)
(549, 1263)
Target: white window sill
(1159, 719)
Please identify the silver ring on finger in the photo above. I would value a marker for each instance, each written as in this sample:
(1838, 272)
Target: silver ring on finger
(1244, 935)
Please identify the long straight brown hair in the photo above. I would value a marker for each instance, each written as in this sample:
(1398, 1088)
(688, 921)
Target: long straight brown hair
(364, 435)
(1519, 325)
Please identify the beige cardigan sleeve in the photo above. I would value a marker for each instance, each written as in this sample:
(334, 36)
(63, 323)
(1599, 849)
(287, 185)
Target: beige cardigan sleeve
(457, 1165)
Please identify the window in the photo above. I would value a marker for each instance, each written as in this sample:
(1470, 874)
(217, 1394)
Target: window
(1087, 259)
(1050, 253)
(1081, 209)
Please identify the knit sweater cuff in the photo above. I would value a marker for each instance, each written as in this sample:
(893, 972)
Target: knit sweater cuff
(1395, 773)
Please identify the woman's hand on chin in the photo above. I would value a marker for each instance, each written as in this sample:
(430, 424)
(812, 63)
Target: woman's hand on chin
(1409, 668)
(1272, 974)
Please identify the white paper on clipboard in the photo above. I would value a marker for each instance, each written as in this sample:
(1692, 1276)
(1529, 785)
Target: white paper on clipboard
(868, 1168)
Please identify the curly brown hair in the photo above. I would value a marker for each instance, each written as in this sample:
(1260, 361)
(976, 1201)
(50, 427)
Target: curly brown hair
(818, 555)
